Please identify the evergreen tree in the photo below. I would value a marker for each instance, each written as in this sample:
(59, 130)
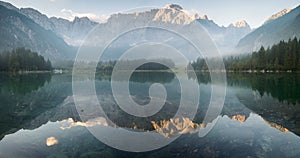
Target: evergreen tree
(22, 59)
(282, 56)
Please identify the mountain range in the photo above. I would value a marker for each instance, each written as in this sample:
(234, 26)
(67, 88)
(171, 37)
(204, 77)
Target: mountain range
(17, 30)
(73, 32)
(281, 26)
(57, 38)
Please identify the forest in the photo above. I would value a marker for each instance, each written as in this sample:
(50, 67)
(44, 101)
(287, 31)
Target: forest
(22, 59)
(125, 64)
(284, 56)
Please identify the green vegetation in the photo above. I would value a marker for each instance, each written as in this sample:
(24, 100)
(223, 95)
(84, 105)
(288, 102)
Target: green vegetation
(199, 64)
(23, 83)
(283, 86)
(22, 59)
(284, 56)
(124, 64)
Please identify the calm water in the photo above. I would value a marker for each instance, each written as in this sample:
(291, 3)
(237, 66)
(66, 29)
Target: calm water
(260, 118)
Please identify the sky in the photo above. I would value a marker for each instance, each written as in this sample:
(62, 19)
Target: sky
(223, 12)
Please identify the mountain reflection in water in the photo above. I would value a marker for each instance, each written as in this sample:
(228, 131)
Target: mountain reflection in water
(256, 121)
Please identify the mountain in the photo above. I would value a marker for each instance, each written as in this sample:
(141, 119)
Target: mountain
(173, 16)
(9, 6)
(18, 30)
(277, 15)
(226, 38)
(280, 28)
(240, 24)
(234, 32)
(73, 32)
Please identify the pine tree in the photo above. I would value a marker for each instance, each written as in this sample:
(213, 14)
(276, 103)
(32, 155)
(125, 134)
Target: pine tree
(23, 59)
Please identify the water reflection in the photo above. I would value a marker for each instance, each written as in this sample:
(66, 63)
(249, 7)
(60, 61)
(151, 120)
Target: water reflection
(36, 93)
(22, 83)
(272, 110)
(283, 86)
(253, 138)
(258, 119)
(240, 118)
(98, 121)
(273, 96)
(142, 77)
(175, 127)
(279, 127)
(51, 141)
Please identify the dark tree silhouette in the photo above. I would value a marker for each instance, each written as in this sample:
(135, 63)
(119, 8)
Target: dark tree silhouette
(22, 59)
(283, 56)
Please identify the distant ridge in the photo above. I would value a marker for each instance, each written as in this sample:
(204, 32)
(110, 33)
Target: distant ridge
(18, 30)
(280, 28)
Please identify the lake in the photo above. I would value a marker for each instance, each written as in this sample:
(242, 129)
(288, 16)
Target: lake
(260, 117)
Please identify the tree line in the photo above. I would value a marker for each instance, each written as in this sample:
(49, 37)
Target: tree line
(22, 59)
(124, 64)
(284, 56)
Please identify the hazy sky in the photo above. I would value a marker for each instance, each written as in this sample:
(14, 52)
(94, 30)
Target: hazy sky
(223, 12)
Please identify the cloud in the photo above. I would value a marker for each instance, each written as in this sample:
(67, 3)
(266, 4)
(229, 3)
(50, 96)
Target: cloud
(70, 15)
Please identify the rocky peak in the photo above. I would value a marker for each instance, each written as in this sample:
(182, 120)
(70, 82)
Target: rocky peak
(173, 6)
(204, 17)
(83, 20)
(240, 24)
(197, 17)
(78, 19)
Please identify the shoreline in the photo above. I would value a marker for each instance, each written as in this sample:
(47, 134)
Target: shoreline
(26, 72)
(168, 71)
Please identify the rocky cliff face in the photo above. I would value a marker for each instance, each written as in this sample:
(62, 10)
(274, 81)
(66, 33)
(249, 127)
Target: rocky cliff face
(175, 18)
(172, 16)
(18, 30)
(73, 32)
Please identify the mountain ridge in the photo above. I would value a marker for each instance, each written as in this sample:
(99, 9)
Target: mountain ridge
(171, 14)
(17, 30)
(278, 15)
(73, 32)
(233, 38)
(282, 28)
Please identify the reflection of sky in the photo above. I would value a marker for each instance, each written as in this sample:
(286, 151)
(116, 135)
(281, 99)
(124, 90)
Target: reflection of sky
(239, 130)
(30, 142)
(223, 12)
